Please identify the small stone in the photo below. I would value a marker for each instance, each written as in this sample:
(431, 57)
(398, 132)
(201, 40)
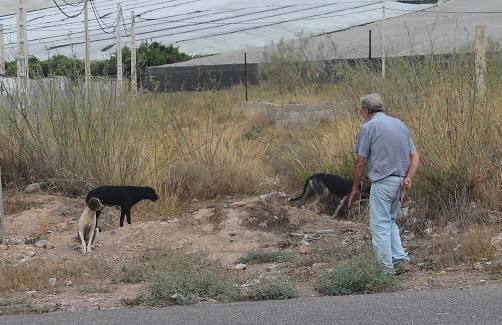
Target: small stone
(31, 292)
(478, 266)
(303, 242)
(241, 266)
(44, 244)
(33, 188)
(68, 283)
(41, 243)
(238, 204)
(482, 281)
(304, 249)
(23, 260)
(428, 231)
(441, 273)
(52, 281)
(31, 253)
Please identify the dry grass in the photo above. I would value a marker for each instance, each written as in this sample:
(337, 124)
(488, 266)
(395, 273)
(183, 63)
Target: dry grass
(478, 245)
(34, 275)
(188, 144)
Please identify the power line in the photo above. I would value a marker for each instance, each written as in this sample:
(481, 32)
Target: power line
(217, 24)
(98, 18)
(73, 4)
(267, 25)
(224, 18)
(233, 17)
(449, 12)
(64, 13)
(43, 26)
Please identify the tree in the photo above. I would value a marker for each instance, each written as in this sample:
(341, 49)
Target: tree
(149, 54)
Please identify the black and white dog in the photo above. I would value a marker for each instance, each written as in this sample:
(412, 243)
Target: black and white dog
(322, 185)
(87, 230)
(124, 197)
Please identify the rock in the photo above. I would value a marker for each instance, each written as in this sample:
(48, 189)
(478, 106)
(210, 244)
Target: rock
(482, 281)
(44, 244)
(303, 242)
(441, 273)
(31, 292)
(52, 281)
(68, 283)
(31, 253)
(304, 249)
(269, 268)
(241, 266)
(238, 204)
(33, 188)
(477, 266)
(428, 231)
(23, 260)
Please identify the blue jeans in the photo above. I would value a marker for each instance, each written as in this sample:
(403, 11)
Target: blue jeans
(385, 204)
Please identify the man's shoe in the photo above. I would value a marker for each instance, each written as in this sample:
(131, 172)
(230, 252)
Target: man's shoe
(402, 267)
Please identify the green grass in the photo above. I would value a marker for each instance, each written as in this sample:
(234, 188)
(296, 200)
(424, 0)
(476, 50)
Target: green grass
(277, 289)
(362, 274)
(177, 278)
(256, 257)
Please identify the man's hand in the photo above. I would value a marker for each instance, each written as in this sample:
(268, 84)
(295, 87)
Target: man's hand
(406, 183)
(353, 195)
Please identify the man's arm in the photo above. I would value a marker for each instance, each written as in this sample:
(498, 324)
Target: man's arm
(359, 167)
(412, 170)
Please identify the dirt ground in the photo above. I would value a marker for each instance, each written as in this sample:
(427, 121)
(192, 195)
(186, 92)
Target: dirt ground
(224, 230)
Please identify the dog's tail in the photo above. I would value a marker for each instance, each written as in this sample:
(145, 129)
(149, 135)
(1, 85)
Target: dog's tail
(304, 193)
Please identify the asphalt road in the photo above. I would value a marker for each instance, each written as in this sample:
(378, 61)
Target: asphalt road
(449, 306)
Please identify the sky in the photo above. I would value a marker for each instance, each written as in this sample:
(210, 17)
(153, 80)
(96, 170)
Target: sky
(195, 26)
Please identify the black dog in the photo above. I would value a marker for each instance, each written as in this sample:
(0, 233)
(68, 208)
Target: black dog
(322, 185)
(123, 196)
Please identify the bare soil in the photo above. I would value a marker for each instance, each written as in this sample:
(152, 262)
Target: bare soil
(223, 230)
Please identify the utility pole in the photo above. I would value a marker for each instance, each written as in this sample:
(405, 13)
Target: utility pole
(22, 51)
(383, 39)
(2, 60)
(480, 50)
(87, 59)
(369, 45)
(134, 83)
(2, 216)
(118, 47)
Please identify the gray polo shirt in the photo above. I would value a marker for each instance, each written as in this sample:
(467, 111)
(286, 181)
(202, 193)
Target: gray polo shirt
(386, 144)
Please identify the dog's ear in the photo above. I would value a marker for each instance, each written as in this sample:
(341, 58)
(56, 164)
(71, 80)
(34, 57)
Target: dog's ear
(95, 204)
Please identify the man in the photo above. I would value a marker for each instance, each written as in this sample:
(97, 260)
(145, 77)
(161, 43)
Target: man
(385, 149)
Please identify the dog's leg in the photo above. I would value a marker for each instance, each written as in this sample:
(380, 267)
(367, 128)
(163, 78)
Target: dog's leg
(339, 207)
(94, 239)
(81, 235)
(128, 215)
(91, 238)
(98, 212)
(122, 216)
